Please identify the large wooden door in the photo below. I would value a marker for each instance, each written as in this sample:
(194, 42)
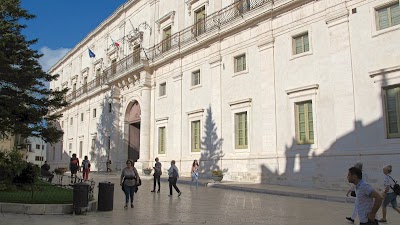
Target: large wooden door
(134, 141)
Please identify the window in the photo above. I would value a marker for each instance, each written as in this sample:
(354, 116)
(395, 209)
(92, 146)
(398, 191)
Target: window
(98, 73)
(114, 66)
(108, 143)
(304, 123)
(241, 130)
(196, 78)
(196, 136)
(109, 107)
(80, 149)
(62, 149)
(392, 111)
(93, 143)
(199, 21)
(243, 6)
(42, 147)
(161, 140)
(166, 43)
(74, 90)
(81, 117)
(54, 153)
(84, 84)
(62, 124)
(163, 89)
(240, 63)
(29, 147)
(136, 53)
(70, 147)
(37, 146)
(71, 121)
(301, 44)
(38, 158)
(94, 113)
(388, 16)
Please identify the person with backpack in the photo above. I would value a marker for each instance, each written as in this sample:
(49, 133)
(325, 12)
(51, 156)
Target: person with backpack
(74, 167)
(157, 174)
(392, 189)
(173, 175)
(85, 168)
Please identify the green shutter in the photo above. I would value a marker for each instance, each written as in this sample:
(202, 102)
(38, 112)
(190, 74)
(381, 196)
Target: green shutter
(392, 112)
(304, 123)
(299, 45)
(241, 130)
(395, 14)
(161, 140)
(306, 43)
(383, 18)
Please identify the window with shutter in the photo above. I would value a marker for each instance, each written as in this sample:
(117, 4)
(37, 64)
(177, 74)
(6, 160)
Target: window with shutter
(392, 109)
(240, 63)
(161, 140)
(301, 44)
(304, 123)
(195, 136)
(196, 78)
(241, 130)
(388, 16)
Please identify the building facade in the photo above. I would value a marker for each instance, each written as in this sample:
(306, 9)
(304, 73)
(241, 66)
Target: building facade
(283, 92)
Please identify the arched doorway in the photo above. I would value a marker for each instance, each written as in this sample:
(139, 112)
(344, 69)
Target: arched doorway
(133, 118)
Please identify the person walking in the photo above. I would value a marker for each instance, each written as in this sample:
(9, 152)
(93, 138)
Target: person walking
(389, 196)
(108, 165)
(157, 174)
(45, 172)
(85, 168)
(74, 167)
(173, 175)
(195, 173)
(353, 193)
(368, 200)
(129, 181)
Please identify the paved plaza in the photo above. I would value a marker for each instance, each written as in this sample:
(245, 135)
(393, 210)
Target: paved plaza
(204, 205)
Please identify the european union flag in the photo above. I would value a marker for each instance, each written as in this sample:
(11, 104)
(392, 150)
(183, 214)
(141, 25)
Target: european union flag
(91, 54)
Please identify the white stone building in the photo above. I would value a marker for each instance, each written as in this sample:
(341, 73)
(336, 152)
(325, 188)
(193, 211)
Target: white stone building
(36, 150)
(289, 92)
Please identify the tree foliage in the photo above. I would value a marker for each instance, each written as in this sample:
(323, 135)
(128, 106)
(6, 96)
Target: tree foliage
(25, 101)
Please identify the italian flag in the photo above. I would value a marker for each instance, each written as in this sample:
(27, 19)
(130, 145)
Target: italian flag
(115, 43)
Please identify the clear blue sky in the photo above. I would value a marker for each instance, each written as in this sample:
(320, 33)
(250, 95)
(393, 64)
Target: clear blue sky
(61, 24)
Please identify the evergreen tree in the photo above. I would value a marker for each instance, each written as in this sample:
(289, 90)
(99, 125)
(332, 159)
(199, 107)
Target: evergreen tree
(25, 101)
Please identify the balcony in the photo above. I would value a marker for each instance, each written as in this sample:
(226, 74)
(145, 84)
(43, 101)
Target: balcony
(111, 73)
(186, 36)
(211, 23)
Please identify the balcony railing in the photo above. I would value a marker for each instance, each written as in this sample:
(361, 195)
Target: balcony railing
(186, 36)
(212, 22)
(108, 74)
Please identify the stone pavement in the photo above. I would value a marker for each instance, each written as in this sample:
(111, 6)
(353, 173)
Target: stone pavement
(202, 206)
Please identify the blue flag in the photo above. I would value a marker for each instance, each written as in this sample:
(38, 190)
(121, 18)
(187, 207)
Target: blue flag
(91, 54)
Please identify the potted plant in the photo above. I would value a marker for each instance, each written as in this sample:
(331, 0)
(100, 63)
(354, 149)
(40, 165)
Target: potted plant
(217, 175)
(60, 170)
(147, 171)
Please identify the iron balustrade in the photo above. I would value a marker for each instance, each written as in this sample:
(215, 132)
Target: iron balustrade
(186, 36)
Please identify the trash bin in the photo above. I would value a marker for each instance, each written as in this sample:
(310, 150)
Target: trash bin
(80, 197)
(106, 196)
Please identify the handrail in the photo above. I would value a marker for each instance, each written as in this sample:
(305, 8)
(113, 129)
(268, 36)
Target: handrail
(186, 36)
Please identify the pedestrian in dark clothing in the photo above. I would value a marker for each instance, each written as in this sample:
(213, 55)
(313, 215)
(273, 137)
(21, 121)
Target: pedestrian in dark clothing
(157, 174)
(108, 165)
(44, 170)
(74, 167)
(173, 174)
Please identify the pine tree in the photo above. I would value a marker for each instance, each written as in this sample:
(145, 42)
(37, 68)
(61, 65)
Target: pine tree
(25, 101)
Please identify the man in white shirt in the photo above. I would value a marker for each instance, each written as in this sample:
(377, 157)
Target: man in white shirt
(368, 200)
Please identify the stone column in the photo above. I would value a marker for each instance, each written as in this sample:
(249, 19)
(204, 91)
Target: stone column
(145, 93)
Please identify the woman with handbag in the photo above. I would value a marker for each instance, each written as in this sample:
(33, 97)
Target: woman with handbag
(129, 181)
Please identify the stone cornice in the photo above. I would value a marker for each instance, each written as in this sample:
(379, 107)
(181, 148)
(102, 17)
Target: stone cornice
(300, 89)
(336, 18)
(170, 15)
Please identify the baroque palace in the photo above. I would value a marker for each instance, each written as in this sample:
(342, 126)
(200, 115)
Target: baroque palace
(290, 92)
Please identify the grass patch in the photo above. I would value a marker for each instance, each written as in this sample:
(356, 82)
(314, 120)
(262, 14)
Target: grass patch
(39, 193)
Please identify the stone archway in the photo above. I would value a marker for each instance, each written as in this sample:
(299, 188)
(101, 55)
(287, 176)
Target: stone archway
(133, 120)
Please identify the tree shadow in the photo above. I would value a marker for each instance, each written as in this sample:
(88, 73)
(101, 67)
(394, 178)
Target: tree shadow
(211, 152)
(108, 134)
